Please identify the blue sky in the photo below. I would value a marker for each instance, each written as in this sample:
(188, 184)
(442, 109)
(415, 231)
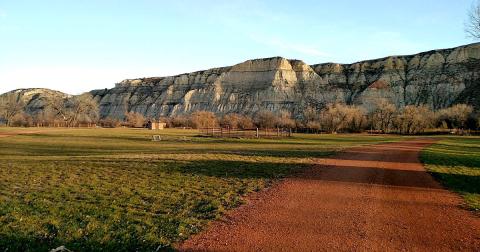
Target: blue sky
(76, 46)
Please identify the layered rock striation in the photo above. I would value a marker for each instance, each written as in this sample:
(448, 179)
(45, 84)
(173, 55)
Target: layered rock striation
(437, 78)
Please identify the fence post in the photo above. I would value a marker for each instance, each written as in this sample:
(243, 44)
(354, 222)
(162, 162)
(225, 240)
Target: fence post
(257, 133)
(278, 131)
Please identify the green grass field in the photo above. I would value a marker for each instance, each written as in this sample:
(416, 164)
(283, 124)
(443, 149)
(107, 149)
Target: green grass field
(115, 189)
(455, 162)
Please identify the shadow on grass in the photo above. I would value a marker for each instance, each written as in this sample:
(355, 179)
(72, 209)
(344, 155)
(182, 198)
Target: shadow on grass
(32, 244)
(470, 160)
(240, 169)
(299, 153)
(459, 183)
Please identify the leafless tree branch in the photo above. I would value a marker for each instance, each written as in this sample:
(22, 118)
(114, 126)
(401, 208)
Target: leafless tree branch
(472, 26)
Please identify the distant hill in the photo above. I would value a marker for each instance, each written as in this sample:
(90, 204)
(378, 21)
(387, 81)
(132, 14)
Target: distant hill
(34, 98)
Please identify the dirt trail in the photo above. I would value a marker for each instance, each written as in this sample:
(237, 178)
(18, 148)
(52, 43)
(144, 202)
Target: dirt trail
(369, 198)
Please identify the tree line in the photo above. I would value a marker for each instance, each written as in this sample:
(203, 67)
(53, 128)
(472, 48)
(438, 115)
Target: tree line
(383, 117)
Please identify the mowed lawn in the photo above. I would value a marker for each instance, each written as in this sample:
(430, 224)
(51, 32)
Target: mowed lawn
(455, 161)
(116, 190)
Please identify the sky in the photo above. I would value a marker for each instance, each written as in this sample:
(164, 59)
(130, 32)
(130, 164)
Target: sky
(79, 45)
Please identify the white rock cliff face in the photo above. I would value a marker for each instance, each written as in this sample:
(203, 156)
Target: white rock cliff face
(436, 78)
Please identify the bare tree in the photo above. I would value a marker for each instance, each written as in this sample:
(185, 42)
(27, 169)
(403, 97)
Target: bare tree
(414, 119)
(313, 125)
(383, 115)
(44, 117)
(21, 119)
(58, 105)
(110, 122)
(10, 106)
(472, 26)
(333, 117)
(265, 119)
(245, 122)
(134, 119)
(357, 119)
(310, 118)
(285, 120)
(204, 119)
(230, 120)
(72, 110)
(456, 116)
(180, 121)
(236, 121)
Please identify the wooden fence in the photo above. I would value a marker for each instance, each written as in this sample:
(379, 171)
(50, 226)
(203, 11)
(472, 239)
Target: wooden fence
(246, 133)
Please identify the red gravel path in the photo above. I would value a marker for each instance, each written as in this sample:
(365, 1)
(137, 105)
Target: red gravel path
(375, 198)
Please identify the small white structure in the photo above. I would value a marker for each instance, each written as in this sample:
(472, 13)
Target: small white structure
(153, 125)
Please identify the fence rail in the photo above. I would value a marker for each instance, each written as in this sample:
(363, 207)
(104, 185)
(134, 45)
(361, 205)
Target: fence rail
(246, 133)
